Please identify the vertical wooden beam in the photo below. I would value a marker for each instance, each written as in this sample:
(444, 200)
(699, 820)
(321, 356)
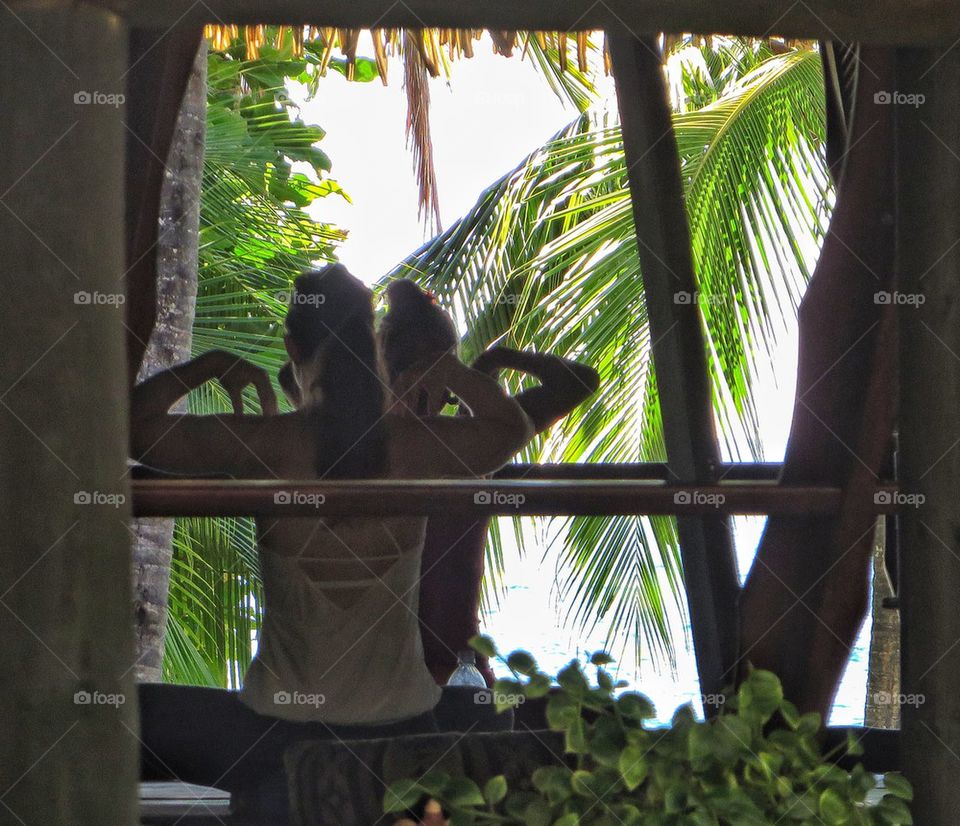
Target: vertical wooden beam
(928, 261)
(68, 753)
(679, 352)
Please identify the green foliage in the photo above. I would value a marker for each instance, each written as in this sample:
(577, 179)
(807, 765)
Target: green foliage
(754, 764)
(262, 169)
(547, 260)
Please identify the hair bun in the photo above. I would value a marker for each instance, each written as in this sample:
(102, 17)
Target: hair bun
(405, 292)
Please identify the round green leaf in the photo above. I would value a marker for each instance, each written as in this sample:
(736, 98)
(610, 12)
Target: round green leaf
(462, 791)
(633, 766)
(495, 789)
(833, 808)
(898, 785)
(635, 706)
(484, 646)
(402, 795)
(522, 662)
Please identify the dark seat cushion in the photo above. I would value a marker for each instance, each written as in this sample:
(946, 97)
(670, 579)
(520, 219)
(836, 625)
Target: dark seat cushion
(343, 783)
(464, 708)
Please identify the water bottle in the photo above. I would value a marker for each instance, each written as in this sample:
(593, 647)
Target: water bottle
(467, 672)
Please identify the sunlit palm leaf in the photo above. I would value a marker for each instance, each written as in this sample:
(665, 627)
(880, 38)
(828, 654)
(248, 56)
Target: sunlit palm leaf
(255, 237)
(547, 259)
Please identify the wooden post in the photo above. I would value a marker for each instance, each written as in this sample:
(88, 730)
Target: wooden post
(678, 349)
(68, 750)
(928, 262)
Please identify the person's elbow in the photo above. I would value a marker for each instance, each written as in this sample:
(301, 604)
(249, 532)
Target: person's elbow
(518, 430)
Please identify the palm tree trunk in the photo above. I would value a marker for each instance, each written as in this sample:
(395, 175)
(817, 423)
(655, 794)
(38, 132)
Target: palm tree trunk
(169, 344)
(883, 675)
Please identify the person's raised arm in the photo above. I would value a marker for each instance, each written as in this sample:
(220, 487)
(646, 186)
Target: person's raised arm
(235, 445)
(157, 394)
(564, 384)
(460, 446)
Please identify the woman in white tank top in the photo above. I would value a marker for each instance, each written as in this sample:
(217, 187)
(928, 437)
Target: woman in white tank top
(340, 648)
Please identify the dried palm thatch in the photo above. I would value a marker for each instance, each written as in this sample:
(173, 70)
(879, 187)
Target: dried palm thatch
(437, 47)
(425, 53)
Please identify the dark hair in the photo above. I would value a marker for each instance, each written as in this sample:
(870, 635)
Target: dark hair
(329, 308)
(414, 327)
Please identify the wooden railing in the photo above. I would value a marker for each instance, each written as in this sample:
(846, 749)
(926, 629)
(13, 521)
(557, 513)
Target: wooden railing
(543, 496)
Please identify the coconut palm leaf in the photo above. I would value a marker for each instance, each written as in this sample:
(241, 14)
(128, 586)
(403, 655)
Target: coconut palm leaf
(547, 259)
(562, 59)
(262, 168)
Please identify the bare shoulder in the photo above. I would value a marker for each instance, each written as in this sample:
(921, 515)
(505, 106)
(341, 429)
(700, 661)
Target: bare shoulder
(453, 447)
(408, 457)
(294, 444)
(427, 448)
(258, 447)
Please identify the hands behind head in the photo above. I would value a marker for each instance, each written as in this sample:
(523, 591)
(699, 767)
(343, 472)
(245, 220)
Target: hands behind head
(491, 360)
(423, 388)
(235, 373)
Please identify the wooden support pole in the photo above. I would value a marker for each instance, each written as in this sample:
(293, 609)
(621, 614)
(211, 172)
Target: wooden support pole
(678, 349)
(928, 262)
(893, 22)
(68, 750)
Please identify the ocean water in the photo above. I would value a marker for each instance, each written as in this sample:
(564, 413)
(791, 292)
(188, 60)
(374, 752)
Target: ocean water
(532, 616)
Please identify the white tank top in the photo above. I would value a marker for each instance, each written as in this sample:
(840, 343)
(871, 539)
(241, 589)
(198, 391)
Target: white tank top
(361, 664)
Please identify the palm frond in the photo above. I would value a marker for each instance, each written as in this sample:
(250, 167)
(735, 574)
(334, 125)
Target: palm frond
(563, 60)
(262, 168)
(547, 259)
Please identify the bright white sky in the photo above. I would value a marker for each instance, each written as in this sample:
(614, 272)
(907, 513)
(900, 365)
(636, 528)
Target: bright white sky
(491, 113)
(485, 119)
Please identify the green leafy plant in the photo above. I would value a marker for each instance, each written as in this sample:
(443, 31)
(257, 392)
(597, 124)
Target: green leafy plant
(757, 762)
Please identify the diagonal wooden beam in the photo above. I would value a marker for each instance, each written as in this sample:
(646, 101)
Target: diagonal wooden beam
(892, 22)
(679, 352)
